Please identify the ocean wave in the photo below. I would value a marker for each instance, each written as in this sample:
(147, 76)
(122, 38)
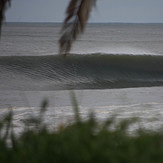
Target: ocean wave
(89, 71)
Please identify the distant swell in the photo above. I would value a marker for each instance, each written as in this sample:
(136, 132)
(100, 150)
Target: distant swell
(93, 71)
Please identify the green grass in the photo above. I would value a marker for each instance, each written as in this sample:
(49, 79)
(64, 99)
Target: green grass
(82, 141)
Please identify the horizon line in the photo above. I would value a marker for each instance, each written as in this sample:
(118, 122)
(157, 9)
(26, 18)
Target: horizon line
(32, 22)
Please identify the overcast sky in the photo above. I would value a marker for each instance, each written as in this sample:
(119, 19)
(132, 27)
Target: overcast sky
(134, 11)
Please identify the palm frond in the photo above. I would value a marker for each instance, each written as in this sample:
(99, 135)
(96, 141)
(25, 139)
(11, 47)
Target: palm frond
(3, 6)
(77, 14)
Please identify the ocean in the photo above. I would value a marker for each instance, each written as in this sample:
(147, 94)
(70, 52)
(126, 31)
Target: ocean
(113, 69)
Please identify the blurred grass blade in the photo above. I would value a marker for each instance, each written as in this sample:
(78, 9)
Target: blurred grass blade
(8, 122)
(75, 107)
(77, 14)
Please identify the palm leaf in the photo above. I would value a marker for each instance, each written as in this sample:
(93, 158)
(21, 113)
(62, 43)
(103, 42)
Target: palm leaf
(77, 14)
(3, 6)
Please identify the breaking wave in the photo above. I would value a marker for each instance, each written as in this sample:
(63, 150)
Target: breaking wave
(89, 71)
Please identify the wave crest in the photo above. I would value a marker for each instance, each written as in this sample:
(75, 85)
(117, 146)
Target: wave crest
(91, 71)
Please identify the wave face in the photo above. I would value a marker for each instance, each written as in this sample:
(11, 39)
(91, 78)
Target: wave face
(91, 71)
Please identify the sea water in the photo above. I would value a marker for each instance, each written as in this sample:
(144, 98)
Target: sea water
(112, 68)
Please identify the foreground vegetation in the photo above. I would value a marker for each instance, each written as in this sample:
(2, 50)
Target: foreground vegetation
(81, 141)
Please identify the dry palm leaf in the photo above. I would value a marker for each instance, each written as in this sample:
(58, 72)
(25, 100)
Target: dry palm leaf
(77, 14)
(3, 6)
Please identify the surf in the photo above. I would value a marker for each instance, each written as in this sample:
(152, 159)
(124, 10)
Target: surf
(80, 71)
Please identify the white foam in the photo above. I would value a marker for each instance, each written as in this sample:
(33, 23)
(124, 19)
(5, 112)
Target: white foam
(124, 50)
(114, 49)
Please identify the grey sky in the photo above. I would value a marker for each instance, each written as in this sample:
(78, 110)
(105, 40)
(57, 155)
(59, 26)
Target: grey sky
(143, 11)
